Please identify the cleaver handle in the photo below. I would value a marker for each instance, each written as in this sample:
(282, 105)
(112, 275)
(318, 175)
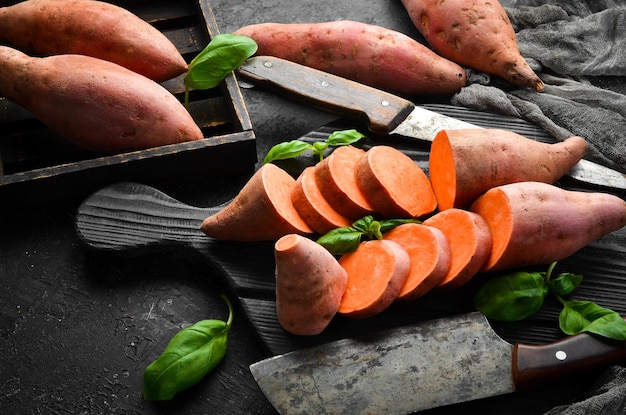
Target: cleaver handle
(382, 111)
(538, 364)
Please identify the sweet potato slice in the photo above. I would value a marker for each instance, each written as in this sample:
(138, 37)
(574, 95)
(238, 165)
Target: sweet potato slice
(430, 257)
(469, 238)
(261, 211)
(377, 271)
(394, 184)
(336, 180)
(313, 207)
(309, 285)
(464, 164)
(536, 223)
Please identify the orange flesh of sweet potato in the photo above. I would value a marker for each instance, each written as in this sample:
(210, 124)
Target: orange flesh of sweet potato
(94, 28)
(261, 211)
(309, 285)
(536, 223)
(394, 184)
(464, 164)
(430, 257)
(366, 53)
(477, 34)
(313, 207)
(377, 271)
(336, 179)
(469, 238)
(96, 104)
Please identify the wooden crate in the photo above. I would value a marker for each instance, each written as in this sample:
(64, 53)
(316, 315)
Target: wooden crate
(37, 165)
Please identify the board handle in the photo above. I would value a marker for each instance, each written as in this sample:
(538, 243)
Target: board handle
(127, 217)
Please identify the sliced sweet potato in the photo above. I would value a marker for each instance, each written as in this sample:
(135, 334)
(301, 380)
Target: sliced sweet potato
(469, 238)
(394, 184)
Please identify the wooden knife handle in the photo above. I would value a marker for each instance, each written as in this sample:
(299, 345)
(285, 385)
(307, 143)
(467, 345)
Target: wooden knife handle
(127, 217)
(382, 111)
(537, 364)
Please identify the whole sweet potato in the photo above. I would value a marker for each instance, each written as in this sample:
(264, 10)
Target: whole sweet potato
(372, 55)
(476, 34)
(98, 105)
(93, 28)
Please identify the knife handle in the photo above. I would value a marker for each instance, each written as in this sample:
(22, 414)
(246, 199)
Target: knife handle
(536, 364)
(383, 111)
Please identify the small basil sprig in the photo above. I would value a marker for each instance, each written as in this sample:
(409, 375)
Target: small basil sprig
(190, 355)
(294, 148)
(519, 295)
(344, 240)
(224, 53)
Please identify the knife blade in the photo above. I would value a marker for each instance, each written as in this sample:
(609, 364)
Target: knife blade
(421, 366)
(384, 113)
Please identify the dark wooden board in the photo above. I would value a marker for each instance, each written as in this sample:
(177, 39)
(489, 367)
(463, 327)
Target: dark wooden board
(37, 165)
(131, 219)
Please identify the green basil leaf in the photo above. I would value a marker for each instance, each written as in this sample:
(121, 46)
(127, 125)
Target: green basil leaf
(222, 55)
(286, 150)
(389, 224)
(188, 357)
(343, 138)
(565, 283)
(512, 297)
(341, 240)
(373, 231)
(363, 224)
(585, 316)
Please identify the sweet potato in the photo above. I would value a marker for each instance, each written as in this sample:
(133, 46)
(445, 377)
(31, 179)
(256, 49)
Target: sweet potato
(313, 207)
(98, 105)
(429, 251)
(464, 164)
(309, 285)
(536, 223)
(469, 238)
(336, 179)
(261, 211)
(394, 184)
(377, 271)
(477, 34)
(365, 53)
(94, 28)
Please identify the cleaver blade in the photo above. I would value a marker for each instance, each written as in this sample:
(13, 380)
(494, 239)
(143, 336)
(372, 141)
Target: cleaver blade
(383, 112)
(421, 366)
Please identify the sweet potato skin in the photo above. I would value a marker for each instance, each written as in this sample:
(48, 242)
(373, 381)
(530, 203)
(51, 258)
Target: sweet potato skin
(464, 164)
(477, 34)
(309, 285)
(365, 53)
(536, 223)
(93, 28)
(96, 104)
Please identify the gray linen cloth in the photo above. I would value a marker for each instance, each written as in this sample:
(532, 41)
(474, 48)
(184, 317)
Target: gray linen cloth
(565, 42)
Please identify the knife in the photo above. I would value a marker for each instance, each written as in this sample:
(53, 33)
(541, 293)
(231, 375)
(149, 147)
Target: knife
(384, 113)
(422, 366)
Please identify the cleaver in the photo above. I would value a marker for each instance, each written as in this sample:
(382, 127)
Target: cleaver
(421, 366)
(383, 112)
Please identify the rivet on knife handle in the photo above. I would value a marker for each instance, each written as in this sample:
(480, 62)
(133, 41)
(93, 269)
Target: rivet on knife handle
(338, 95)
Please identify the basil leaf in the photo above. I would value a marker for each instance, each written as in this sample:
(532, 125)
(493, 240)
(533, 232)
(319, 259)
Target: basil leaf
(222, 55)
(343, 138)
(565, 283)
(512, 297)
(585, 316)
(286, 150)
(389, 224)
(189, 356)
(341, 240)
(363, 224)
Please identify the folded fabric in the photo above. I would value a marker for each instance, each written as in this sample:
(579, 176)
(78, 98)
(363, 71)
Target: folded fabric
(565, 42)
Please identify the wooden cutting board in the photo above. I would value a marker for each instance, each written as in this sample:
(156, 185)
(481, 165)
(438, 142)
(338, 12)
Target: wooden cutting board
(134, 219)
